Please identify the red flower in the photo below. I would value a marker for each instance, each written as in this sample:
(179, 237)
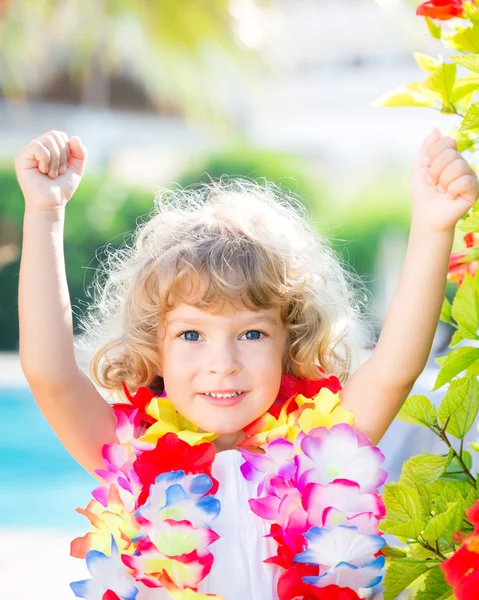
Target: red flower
(140, 401)
(291, 586)
(461, 572)
(109, 595)
(457, 267)
(285, 553)
(292, 386)
(441, 9)
(173, 454)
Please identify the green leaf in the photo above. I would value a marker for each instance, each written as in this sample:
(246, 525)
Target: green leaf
(400, 574)
(412, 94)
(463, 88)
(460, 405)
(465, 309)
(402, 502)
(435, 586)
(441, 488)
(471, 118)
(425, 498)
(466, 39)
(473, 369)
(441, 80)
(420, 553)
(471, 224)
(448, 494)
(458, 336)
(418, 410)
(456, 362)
(446, 311)
(426, 468)
(425, 62)
(471, 499)
(410, 529)
(434, 29)
(393, 552)
(470, 61)
(445, 524)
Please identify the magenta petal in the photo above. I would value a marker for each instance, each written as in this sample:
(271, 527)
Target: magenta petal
(249, 473)
(266, 508)
(260, 462)
(116, 454)
(101, 494)
(280, 450)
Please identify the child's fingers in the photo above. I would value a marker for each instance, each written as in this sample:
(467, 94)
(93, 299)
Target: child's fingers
(52, 145)
(78, 155)
(445, 144)
(41, 154)
(65, 152)
(427, 144)
(442, 162)
(62, 144)
(466, 184)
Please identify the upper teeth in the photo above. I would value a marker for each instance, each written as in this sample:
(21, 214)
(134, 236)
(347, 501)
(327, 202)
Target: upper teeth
(223, 395)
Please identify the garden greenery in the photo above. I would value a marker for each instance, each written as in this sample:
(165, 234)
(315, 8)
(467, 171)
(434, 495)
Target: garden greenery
(433, 507)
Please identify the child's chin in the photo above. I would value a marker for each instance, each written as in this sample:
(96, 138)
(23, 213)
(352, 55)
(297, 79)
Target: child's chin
(224, 428)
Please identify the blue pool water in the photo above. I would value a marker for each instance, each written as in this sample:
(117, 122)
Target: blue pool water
(41, 484)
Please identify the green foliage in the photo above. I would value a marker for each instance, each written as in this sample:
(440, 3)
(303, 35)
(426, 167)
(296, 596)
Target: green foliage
(418, 410)
(99, 212)
(400, 575)
(436, 587)
(459, 406)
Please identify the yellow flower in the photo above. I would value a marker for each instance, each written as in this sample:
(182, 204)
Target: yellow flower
(106, 521)
(169, 420)
(325, 413)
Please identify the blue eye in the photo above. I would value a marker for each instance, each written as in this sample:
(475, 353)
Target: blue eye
(184, 332)
(254, 331)
(196, 333)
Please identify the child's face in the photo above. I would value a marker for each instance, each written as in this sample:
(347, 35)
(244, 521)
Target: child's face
(233, 350)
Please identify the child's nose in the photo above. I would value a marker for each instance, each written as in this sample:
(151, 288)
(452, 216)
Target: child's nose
(224, 361)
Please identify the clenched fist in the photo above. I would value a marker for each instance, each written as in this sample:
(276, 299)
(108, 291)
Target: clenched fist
(49, 170)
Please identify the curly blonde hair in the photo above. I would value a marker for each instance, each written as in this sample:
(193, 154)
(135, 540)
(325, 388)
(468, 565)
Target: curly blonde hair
(248, 241)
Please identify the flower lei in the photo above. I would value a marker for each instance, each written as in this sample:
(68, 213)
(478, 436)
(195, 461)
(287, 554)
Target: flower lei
(317, 482)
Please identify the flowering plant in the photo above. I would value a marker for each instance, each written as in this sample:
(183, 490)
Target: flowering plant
(316, 481)
(434, 506)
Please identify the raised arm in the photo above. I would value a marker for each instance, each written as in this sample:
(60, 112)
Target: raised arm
(80, 417)
(376, 392)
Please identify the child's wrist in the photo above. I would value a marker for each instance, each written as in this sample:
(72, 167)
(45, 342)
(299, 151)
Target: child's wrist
(425, 227)
(49, 215)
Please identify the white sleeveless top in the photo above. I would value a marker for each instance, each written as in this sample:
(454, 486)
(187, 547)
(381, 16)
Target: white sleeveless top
(238, 572)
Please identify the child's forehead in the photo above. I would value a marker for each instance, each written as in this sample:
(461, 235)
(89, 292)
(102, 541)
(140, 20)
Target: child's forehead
(227, 311)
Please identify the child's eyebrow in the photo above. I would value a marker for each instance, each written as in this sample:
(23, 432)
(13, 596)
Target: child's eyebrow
(252, 319)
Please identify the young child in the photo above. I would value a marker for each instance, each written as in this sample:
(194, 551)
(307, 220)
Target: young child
(178, 309)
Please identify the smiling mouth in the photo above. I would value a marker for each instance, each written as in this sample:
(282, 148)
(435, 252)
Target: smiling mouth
(224, 401)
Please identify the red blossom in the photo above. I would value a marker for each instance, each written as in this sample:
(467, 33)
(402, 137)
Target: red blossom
(291, 586)
(173, 454)
(457, 268)
(109, 595)
(441, 9)
(140, 401)
(461, 572)
(285, 553)
(292, 386)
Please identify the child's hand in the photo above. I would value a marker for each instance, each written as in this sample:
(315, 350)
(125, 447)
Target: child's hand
(443, 185)
(49, 170)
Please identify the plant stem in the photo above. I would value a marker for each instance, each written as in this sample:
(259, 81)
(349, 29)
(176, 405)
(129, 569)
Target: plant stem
(442, 434)
(428, 546)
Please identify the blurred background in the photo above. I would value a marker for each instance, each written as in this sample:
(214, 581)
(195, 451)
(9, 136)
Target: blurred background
(165, 93)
